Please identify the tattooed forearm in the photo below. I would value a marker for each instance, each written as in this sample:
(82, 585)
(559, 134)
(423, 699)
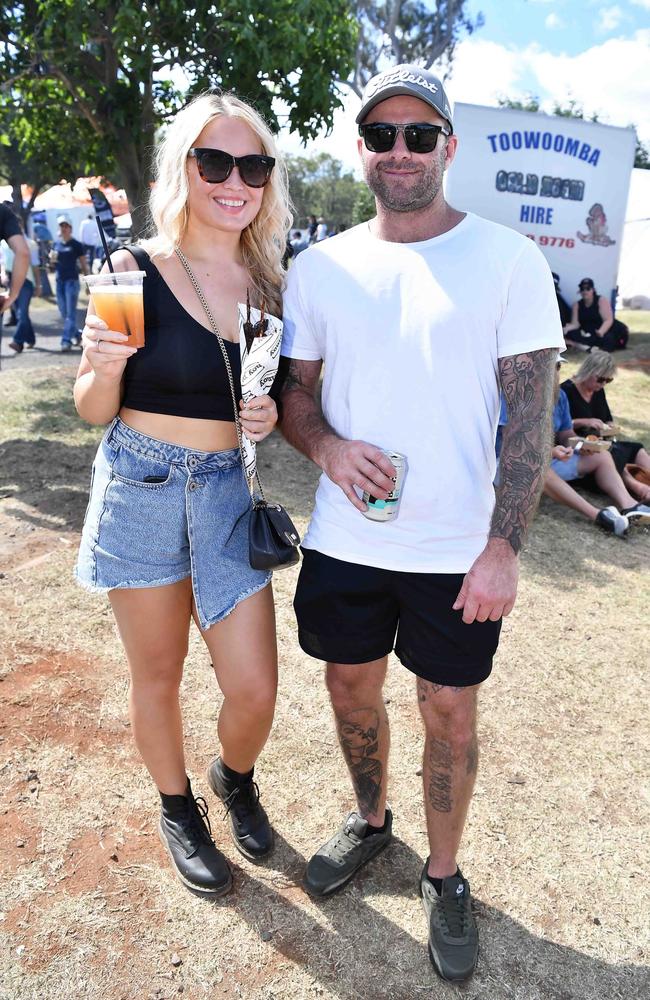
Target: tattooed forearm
(440, 761)
(359, 736)
(301, 419)
(527, 382)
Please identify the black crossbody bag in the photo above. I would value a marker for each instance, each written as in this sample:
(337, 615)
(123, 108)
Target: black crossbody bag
(273, 539)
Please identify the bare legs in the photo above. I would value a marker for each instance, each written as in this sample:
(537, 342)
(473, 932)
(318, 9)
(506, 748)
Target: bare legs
(154, 627)
(607, 477)
(560, 491)
(362, 726)
(450, 752)
(449, 768)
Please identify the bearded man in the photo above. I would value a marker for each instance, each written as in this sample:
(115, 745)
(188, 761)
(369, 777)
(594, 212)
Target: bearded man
(420, 317)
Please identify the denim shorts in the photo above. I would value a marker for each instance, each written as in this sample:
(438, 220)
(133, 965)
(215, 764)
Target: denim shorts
(568, 470)
(159, 513)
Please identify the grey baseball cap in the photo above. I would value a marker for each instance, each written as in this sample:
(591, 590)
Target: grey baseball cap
(413, 81)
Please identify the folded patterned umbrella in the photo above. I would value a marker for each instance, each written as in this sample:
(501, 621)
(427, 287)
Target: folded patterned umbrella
(260, 339)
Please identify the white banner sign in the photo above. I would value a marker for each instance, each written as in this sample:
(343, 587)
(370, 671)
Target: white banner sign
(562, 182)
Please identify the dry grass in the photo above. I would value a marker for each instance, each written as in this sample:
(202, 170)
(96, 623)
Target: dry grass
(555, 846)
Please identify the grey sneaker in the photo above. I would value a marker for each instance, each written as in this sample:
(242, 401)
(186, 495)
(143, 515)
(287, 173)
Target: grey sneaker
(609, 519)
(453, 934)
(342, 856)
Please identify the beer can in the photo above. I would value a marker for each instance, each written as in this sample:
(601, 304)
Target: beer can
(386, 510)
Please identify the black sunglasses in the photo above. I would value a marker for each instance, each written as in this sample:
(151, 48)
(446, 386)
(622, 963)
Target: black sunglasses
(604, 381)
(379, 137)
(216, 166)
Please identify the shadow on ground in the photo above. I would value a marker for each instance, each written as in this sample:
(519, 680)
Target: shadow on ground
(514, 963)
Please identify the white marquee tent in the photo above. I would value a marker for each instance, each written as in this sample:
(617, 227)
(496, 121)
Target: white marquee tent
(634, 265)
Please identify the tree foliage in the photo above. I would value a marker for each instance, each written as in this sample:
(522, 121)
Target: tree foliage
(320, 185)
(119, 63)
(407, 31)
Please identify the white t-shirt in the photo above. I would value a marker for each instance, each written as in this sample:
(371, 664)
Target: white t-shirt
(410, 334)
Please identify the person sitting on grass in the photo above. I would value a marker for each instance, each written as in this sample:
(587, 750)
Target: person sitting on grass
(592, 323)
(591, 414)
(567, 465)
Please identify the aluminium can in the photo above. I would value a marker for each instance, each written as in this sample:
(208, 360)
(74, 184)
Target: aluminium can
(386, 510)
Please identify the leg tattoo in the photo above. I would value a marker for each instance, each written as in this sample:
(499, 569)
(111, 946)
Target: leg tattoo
(440, 773)
(359, 736)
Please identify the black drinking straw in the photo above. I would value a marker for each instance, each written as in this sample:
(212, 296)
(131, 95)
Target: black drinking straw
(110, 265)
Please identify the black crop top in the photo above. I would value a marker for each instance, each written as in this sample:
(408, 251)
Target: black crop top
(180, 370)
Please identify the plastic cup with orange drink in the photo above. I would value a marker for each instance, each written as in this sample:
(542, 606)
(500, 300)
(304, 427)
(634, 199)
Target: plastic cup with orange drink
(117, 299)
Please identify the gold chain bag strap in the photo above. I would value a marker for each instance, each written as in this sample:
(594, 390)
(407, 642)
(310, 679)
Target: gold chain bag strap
(272, 536)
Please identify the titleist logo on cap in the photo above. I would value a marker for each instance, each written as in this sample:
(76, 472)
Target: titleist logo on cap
(398, 76)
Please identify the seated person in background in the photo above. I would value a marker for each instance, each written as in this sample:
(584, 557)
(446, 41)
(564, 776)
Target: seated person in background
(593, 324)
(567, 465)
(591, 414)
(562, 304)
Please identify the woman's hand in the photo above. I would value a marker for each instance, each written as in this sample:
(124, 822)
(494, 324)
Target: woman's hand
(562, 453)
(258, 417)
(105, 350)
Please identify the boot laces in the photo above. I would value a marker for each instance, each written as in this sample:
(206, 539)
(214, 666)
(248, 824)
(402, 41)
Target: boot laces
(198, 824)
(242, 800)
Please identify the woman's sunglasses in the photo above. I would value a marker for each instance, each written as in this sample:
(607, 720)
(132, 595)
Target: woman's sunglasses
(215, 166)
(603, 381)
(419, 138)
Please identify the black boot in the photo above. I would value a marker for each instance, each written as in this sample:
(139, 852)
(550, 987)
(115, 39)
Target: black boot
(184, 830)
(249, 824)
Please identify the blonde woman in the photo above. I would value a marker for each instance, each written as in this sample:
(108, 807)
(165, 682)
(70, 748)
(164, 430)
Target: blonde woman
(590, 413)
(165, 532)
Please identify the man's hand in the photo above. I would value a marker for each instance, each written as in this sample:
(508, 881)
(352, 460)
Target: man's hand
(357, 463)
(490, 588)
(561, 452)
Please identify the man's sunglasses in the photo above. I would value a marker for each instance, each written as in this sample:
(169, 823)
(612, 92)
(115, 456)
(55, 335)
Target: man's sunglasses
(603, 381)
(215, 166)
(380, 137)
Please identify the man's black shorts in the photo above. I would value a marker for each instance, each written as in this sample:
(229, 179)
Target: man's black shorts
(349, 613)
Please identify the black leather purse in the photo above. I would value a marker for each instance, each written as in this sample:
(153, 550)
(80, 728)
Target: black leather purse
(273, 540)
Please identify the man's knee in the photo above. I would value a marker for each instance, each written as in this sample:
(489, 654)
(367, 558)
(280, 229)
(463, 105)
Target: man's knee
(355, 684)
(449, 713)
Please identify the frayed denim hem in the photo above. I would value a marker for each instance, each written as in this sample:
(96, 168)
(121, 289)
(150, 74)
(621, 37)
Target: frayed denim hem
(93, 588)
(206, 624)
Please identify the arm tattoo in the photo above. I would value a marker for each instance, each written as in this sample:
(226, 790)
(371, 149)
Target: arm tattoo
(440, 768)
(293, 378)
(359, 736)
(527, 382)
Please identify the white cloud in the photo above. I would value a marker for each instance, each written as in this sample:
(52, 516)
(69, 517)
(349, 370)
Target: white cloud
(554, 21)
(610, 18)
(642, 3)
(608, 79)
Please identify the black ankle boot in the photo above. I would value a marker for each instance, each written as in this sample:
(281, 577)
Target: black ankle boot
(184, 830)
(251, 831)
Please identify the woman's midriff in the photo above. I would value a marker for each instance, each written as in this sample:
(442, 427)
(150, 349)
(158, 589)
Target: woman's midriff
(187, 432)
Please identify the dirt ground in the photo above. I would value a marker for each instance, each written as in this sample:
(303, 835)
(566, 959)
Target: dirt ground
(556, 842)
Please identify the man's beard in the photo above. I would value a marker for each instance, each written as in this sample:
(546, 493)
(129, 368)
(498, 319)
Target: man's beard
(396, 197)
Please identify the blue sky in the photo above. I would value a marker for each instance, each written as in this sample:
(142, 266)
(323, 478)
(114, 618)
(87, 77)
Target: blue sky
(596, 53)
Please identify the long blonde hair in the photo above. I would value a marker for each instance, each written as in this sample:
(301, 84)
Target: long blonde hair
(263, 242)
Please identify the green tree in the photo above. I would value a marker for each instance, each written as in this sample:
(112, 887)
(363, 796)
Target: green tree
(44, 141)
(320, 185)
(116, 59)
(406, 31)
(364, 206)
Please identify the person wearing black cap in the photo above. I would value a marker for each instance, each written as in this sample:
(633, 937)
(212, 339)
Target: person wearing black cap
(420, 316)
(593, 324)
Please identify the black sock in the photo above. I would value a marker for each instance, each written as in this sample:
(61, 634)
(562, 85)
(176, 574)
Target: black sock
(376, 829)
(234, 777)
(173, 803)
(437, 882)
